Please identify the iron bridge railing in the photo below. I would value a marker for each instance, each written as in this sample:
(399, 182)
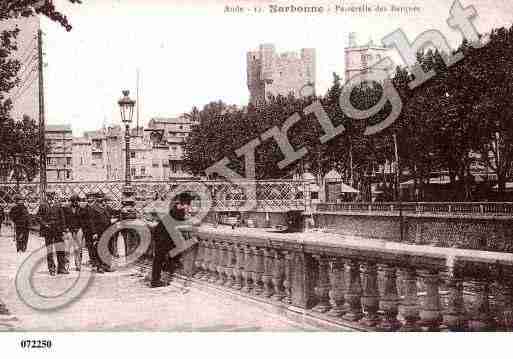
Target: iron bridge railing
(279, 195)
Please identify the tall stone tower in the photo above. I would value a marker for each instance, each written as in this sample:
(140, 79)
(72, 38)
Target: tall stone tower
(364, 59)
(270, 73)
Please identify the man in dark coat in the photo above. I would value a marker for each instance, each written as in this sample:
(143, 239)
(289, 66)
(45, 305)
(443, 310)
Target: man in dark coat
(101, 222)
(73, 220)
(87, 216)
(53, 225)
(19, 215)
(179, 208)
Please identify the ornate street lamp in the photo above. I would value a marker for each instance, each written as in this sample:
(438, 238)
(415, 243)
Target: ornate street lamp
(126, 106)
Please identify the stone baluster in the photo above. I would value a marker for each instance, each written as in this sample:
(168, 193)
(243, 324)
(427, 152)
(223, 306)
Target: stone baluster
(205, 264)
(481, 316)
(258, 270)
(337, 281)
(389, 301)
(430, 313)
(238, 267)
(370, 297)
(323, 285)
(287, 282)
(200, 260)
(354, 293)
(267, 275)
(230, 264)
(221, 263)
(409, 307)
(278, 271)
(214, 258)
(506, 297)
(247, 271)
(454, 315)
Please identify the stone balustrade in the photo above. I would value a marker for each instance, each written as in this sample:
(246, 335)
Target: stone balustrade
(363, 284)
(439, 208)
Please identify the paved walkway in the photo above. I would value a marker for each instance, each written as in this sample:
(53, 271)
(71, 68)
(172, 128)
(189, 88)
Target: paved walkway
(122, 301)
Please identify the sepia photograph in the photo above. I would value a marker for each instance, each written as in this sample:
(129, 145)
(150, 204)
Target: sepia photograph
(218, 166)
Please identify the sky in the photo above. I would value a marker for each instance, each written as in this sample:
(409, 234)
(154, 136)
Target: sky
(193, 54)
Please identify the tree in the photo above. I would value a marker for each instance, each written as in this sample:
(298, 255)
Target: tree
(19, 139)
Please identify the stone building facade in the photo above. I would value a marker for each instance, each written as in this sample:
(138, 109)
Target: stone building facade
(59, 164)
(365, 59)
(272, 73)
(100, 155)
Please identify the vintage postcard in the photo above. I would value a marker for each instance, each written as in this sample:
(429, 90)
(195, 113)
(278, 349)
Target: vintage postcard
(255, 166)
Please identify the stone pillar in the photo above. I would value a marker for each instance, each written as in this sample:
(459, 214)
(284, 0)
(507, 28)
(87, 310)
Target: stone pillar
(506, 296)
(337, 291)
(354, 293)
(199, 260)
(370, 297)
(247, 272)
(323, 285)
(481, 317)
(214, 258)
(389, 302)
(278, 275)
(258, 270)
(302, 288)
(430, 313)
(205, 263)
(409, 308)
(221, 262)
(287, 282)
(267, 275)
(230, 264)
(454, 315)
(238, 268)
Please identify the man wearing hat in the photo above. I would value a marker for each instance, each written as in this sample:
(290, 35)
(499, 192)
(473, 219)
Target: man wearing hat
(179, 208)
(101, 222)
(87, 216)
(53, 225)
(20, 216)
(73, 220)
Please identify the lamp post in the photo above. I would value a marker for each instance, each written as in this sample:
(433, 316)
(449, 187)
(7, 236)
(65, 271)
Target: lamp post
(128, 212)
(126, 106)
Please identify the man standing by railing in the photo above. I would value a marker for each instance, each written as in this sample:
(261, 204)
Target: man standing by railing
(53, 224)
(179, 208)
(73, 220)
(19, 215)
(87, 216)
(101, 222)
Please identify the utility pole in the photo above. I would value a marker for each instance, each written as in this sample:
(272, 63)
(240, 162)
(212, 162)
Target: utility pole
(137, 100)
(42, 123)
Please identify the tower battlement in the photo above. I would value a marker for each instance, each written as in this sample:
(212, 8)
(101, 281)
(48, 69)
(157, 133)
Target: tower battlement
(273, 73)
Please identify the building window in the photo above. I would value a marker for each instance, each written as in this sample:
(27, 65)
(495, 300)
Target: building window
(97, 156)
(132, 154)
(68, 174)
(180, 127)
(81, 161)
(132, 172)
(143, 171)
(68, 161)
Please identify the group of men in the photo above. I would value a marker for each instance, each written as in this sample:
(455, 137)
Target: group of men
(60, 219)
